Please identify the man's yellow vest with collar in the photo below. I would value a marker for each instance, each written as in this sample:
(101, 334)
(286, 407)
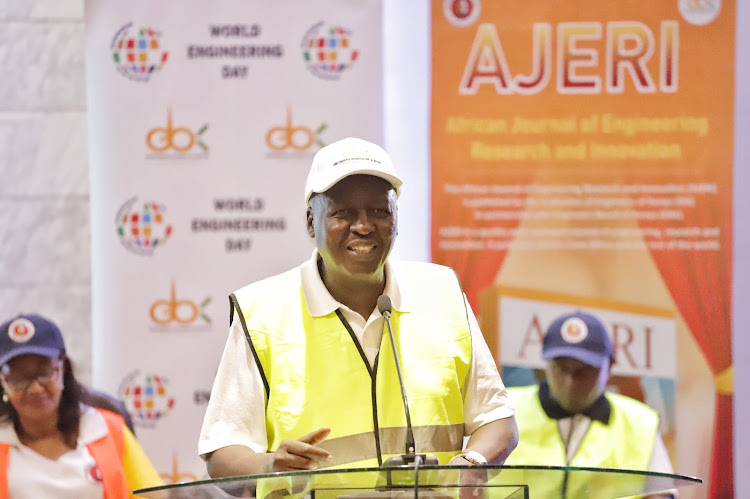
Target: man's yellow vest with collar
(316, 374)
(627, 442)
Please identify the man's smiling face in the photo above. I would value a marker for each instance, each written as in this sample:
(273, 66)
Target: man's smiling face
(354, 226)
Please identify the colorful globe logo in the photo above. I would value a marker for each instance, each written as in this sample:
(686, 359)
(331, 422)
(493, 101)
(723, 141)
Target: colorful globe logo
(142, 228)
(327, 50)
(145, 397)
(138, 53)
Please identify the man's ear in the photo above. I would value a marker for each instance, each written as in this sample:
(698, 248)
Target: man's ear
(310, 226)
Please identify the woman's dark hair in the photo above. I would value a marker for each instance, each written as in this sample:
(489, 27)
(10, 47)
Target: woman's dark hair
(69, 412)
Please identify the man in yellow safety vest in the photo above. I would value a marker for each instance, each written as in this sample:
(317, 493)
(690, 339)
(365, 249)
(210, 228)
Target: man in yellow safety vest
(571, 420)
(308, 377)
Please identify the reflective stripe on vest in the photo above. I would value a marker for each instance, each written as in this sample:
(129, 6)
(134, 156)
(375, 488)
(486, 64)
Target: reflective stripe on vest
(627, 442)
(4, 451)
(107, 453)
(318, 376)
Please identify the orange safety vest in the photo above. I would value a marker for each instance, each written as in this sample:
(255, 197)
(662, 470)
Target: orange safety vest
(107, 453)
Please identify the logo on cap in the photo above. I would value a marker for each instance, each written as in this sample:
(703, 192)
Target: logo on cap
(21, 330)
(574, 330)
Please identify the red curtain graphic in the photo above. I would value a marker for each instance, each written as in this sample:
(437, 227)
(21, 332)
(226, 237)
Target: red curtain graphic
(700, 282)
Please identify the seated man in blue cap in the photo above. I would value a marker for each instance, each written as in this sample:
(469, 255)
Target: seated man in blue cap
(570, 420)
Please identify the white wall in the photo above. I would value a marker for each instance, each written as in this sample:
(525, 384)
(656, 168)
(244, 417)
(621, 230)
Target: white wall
(406, 66)
(741, 292)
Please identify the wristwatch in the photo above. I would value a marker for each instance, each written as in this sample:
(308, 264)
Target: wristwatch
(474, 457)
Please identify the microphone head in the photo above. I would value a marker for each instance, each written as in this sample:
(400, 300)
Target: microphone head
(384, 304)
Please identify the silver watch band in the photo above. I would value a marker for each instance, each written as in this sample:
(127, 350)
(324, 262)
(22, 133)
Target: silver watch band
(474, 457)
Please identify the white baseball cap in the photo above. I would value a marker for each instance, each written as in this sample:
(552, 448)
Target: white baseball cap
(350, 156)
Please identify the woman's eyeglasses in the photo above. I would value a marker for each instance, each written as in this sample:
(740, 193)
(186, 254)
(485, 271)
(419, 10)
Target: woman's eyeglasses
(23, 383)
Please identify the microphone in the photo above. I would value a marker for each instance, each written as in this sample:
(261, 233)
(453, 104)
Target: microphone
(384, 306)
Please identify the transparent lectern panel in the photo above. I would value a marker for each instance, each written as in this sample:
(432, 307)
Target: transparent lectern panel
(433, 482)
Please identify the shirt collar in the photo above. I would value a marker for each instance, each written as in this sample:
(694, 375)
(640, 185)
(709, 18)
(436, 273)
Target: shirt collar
(91, 428)
(319, 300)
(600, 410)
(8, 434)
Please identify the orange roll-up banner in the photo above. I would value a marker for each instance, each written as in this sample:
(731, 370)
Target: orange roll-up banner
(584, 149)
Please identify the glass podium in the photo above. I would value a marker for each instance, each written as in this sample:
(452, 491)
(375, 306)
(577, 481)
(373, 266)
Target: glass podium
(462, 482)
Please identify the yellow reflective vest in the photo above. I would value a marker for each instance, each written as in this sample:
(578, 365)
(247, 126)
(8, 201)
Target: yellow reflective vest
(316, 374)
(627, 442)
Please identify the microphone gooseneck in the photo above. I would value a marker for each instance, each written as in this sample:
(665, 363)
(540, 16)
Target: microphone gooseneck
(384, 306)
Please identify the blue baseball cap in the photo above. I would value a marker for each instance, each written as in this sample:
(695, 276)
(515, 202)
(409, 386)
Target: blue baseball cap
(578, 335)
(29, 334)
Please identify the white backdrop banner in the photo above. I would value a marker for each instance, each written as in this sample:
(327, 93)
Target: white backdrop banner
(204, 118)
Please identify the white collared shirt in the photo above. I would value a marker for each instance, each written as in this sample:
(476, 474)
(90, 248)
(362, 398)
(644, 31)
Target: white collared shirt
(236, 410)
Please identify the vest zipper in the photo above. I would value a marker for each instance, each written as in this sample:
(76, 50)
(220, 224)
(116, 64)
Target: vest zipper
(567, 443)
(374, 389)
(373, 386)
(564, 487)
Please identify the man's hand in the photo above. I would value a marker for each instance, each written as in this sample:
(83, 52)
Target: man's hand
(471, 481)
(302, 454)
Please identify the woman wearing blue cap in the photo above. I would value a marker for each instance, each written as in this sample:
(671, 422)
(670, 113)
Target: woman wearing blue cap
(51, 443)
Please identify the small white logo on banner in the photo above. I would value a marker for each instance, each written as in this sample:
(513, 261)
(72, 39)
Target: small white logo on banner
(462, 13)
(699, 12)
